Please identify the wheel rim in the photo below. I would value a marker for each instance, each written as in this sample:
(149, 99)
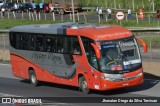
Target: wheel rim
(84, 85)
(33, 79)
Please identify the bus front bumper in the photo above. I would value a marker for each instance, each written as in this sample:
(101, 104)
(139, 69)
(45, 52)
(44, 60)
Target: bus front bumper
(108, 84)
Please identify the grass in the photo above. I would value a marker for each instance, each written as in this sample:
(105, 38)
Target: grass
(4, 61)
(154, 41)
(134, 23)
(8, 23)
(151, 39)
(122, 4)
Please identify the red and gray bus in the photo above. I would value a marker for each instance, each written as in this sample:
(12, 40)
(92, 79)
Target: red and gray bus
(88, 56)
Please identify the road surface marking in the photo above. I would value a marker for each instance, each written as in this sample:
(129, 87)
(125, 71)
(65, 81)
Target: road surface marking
(8, 95)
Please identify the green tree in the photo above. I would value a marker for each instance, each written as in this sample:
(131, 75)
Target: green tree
(157, 4)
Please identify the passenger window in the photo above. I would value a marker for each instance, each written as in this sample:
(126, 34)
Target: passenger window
(54, 46)
(49, 44)
(32, 45)
(90, 52)
(39, 43)
(13, 40)
(93, 59)
(60, 41)
(76, 49)
(22, 41)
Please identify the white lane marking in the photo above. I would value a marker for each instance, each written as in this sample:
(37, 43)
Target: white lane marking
(8, 95)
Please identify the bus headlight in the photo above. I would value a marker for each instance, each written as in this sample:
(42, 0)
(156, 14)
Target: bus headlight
(112, 76)
(140, 74)
(119, 77)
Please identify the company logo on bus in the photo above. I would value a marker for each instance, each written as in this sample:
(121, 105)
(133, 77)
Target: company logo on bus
(126, 44)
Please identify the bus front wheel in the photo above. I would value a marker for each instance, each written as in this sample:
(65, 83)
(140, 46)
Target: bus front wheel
(33, 78)
(83, 86)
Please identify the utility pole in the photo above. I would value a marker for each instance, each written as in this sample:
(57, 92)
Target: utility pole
(106, 4)
(153, 5)
(115, 4)
(73, 11)
(133, 4)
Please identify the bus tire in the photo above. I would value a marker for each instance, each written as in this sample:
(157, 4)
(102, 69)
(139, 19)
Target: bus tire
(33, 78)
(83, 86)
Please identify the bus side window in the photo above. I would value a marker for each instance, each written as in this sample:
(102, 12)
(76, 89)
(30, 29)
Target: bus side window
(24, 42)
(76, 49)
(49, 44)
(39, 43)
(32, 45)
(54, 44)
(93, 59)
(18, 43)
(13, 39)
(90, 52)
(69, 44)
(86, 44)
(60, 41)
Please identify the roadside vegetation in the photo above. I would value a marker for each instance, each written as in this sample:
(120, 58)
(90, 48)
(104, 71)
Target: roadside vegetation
(152, 41)
(123, 4)
(9, 23)
(120, 4)
(5, 61)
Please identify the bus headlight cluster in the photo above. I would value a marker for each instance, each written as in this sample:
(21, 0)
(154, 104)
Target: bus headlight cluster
(140, 74)
(112, 76)
(119, 77)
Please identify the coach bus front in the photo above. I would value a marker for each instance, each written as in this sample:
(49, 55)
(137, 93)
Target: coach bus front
(120, 63)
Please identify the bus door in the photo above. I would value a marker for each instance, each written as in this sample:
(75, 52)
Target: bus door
(75, 53)
(92, 64)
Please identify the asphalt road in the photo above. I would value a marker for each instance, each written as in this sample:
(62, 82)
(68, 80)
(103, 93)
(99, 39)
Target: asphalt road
(12, 86)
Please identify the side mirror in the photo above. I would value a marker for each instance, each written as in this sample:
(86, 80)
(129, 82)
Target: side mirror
(97, 51)
(144, 44)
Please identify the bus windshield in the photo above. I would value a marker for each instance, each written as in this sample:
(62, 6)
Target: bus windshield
(120, 56)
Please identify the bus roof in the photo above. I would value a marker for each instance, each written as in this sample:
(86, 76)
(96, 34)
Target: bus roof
(93, 31)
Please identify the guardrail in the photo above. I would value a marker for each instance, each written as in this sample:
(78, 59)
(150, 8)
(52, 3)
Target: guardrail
(133, 29)
(4, 30)
(113, 9)
(143, 29)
